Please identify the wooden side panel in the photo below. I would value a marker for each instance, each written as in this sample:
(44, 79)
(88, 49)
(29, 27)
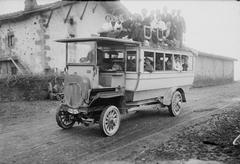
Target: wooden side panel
(159, 80)
(111, 79)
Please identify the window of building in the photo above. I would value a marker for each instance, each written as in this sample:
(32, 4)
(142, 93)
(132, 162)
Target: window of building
(159, 61)
(10, 40)
(13, 70)
(168, 62)
(148, 61)
(131, 61)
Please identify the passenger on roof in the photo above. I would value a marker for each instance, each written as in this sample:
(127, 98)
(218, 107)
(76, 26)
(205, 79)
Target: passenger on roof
(161, 25)
(165, 15)
(180, 26)
(137, 29)
(106, 27)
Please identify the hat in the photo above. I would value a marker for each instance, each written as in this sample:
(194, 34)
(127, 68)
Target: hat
(148, 59)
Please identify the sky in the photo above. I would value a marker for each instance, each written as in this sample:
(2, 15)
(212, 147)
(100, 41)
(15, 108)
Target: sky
(211, 26)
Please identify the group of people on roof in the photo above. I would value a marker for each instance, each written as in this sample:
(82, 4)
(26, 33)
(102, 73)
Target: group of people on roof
(156, 27)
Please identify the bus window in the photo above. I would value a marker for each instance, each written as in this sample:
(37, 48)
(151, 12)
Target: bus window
(131, 61)
(159, 61)
(187, 63)
(81, 53)
(177, 63)
(168, 62)
(110, 60)
(190, 63)
(148, 61)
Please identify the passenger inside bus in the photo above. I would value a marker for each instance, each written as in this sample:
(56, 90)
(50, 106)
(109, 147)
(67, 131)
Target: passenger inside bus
(131, 61)
(168, 63)
(147, 65)
(116, 67)
(185, 63)
(159, 61)
(109, 61)
(100, 61)
(177, 64)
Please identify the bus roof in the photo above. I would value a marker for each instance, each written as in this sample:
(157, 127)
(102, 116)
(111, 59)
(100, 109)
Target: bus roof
(103, 41)
(106, 41)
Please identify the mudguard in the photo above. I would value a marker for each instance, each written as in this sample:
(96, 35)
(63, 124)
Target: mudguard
(167, 97)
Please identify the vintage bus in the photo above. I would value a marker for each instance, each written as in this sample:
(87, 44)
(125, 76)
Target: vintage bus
(108, 76)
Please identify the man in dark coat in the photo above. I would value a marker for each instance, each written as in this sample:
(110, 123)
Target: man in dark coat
(180, 27)
(166, 17)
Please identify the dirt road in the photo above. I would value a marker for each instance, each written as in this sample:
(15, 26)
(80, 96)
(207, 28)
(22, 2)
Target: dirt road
(31, 135)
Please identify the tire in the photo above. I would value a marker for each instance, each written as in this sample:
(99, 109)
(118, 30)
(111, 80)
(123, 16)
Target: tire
(110, 120)
(175, 107)
(64, 119)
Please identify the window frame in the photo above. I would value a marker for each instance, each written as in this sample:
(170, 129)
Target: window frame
(151, 51)
(172, 55)
(189, 56)
(10, 40)
(157, 52)
(14, 70)
(135, 59)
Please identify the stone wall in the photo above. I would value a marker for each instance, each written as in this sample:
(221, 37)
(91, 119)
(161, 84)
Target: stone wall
(27, 87)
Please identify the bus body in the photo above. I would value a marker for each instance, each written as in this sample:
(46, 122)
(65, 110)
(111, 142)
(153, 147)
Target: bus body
(107, 76)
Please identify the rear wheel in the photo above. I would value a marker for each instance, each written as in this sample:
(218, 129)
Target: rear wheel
(110, 120)
(64, 119)
(176, 104)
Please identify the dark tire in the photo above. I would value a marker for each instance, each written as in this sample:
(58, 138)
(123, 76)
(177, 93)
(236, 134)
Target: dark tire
(175, 107)
(64, 119)
(110, 120)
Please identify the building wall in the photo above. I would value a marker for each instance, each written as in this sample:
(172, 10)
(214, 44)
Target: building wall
(35, 44)
(6, 68)
(212, 71)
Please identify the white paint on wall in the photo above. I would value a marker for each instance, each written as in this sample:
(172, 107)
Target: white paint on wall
(35, 45)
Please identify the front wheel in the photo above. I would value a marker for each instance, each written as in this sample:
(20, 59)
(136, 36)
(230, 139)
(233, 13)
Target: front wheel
(110, 120)
(176, 104)
(64, 119)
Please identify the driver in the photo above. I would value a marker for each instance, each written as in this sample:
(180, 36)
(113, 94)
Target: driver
(116, 67)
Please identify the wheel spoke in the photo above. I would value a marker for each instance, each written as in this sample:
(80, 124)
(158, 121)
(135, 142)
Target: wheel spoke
(110, 120)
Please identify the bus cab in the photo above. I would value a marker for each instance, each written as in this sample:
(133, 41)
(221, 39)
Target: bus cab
(107, 76)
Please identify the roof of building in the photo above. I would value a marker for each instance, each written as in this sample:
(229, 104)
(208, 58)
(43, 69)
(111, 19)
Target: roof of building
(110, 6)
(200, 53)
(8, 58)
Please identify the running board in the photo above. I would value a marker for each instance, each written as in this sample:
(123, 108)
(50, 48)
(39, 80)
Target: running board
(145, 102)
(143, 107)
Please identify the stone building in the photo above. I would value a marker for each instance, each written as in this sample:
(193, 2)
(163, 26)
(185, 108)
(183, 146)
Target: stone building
(27, 38)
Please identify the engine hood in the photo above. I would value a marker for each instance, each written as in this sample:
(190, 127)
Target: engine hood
(76, 90)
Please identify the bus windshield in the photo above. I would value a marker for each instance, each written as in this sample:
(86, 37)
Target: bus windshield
(81, 53)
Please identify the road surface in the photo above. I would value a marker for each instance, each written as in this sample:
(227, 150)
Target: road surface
(40, 140)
